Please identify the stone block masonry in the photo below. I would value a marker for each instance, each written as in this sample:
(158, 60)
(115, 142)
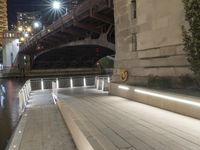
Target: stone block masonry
(150, 44)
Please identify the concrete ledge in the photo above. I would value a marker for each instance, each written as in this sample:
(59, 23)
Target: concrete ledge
(79, 138)
(178, 103)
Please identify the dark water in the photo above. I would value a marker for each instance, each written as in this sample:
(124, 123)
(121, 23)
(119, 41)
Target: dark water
(9, 113)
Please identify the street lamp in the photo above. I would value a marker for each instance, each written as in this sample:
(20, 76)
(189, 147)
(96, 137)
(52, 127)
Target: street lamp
(56, 5)
(26, 35)
(20, 29)
(36, 25)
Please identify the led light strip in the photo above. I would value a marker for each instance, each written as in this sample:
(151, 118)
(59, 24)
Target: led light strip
(84, 82)
(168, 97)
(42, 84)
(71, 83)
(123, 87)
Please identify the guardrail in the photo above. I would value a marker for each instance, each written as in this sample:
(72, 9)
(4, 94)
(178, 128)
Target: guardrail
(99, 82)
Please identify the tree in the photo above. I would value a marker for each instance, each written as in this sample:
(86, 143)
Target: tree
(191, 35)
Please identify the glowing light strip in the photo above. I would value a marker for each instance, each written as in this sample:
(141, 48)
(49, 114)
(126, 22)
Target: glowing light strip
(168, 97)
(97, 83)
(123, 87)
(108, 79)
(71, 83)
(57, 83)
(84, 82)
(42, 84)
(103, 84)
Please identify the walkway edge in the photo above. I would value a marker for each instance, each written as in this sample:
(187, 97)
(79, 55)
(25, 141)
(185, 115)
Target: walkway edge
(15, 140)
(178, 103)
(79, 138)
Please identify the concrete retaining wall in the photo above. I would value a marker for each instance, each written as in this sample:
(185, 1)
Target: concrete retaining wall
(182, 104)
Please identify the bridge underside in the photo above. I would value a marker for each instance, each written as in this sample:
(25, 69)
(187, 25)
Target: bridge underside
(91, 23)
(71, 57)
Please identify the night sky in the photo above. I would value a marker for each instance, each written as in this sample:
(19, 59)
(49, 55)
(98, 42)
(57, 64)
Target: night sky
(22, 5)
(15, 6)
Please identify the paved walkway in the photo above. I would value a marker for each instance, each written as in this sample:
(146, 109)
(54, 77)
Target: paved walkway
(42, 126)
(114, 123)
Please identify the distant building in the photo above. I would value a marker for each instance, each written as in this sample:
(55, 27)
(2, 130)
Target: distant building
(149, 41)
(27, 19)
(3, 19)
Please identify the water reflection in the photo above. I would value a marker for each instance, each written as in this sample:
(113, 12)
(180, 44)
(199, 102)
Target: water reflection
(8, 109)
(2, 98)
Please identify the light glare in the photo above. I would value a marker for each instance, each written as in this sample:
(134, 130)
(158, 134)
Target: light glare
(56, 5)
(36, 25)
(20, 29)
(26, 35)
(29, 29)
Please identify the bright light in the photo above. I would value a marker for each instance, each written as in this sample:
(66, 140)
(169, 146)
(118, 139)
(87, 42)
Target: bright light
(168, 97)
(71, 83)
(123, 87)
(36, 24)
(20, 29)
(29, 29)
(57, 83)
(56, 5)
(42, 84)
(103, 84)
(108, 79)
(22, 39)
(98, 83)
(84, 82)
(26, 35)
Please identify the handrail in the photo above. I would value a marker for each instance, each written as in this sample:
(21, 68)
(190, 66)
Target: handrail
(100, 82)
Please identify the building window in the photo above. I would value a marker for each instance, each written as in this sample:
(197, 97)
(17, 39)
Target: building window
(134, 8)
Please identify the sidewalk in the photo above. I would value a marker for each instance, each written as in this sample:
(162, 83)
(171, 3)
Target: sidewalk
(104, 122)
(42, 126)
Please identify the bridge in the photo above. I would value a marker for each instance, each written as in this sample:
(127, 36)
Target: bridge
(89, 26)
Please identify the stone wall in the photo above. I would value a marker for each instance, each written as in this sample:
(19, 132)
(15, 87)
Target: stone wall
(10, 51)
(150, 44)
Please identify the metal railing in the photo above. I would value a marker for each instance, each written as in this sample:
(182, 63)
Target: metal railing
(99, 82)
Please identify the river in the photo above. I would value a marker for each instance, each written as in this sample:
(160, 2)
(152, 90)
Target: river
(9, 114)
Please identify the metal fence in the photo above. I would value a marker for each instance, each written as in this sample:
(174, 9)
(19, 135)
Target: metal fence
(99, 82)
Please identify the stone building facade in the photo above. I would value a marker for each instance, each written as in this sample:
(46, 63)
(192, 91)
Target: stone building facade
(149, 40)
(3, 19)
(10, 48)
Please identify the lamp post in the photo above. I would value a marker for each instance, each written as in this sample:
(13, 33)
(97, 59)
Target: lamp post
(56, 5)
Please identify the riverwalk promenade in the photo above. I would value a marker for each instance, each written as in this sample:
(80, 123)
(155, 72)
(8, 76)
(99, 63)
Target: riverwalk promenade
(96, 120)
(41, 126)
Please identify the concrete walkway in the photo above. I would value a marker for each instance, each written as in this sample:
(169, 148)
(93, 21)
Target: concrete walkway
(42, 126)
(103, 122)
